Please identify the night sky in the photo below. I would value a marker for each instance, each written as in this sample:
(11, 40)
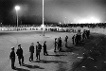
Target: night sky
(59, 11)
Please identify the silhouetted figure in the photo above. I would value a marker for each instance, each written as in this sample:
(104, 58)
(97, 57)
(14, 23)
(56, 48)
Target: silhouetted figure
(55, 44)
(12, 57)
(38, 50)
(45, 49)
(87, 33)
(59, 44)
(20, 55)
(84, 35)
(66, 38)
(31, 50)
(76, 39)
(73, 39)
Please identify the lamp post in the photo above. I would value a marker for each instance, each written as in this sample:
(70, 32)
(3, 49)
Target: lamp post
(42, 12)
(17, 8)
(43, 26)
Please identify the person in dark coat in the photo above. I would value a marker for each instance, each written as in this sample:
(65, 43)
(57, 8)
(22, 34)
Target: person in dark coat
(87, 33)
(66, 38)
(55, 45)
(84, 34)
(45, 49)
(31, 50)
(73, 39)
(12, 57)
(20, 55)
(60, 44)
(76, 39)
(38, 50)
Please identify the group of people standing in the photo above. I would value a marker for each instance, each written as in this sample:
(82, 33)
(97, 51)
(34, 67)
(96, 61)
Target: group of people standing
(20, 55)
(58, 43)
(77, 38)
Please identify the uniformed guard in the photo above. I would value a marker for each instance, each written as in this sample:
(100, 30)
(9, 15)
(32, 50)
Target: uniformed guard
(20, 55)
(31, 50)
(12, 57)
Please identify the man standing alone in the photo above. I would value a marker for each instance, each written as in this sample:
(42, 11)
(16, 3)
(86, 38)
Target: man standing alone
(31, 50)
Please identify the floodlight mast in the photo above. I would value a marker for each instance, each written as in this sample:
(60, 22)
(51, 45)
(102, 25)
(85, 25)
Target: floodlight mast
(42, 12)
(42, 25)
(17, 8)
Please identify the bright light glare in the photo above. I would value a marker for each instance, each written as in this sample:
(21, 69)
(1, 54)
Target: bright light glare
(17, 8)
(42, 25)
(89, 20)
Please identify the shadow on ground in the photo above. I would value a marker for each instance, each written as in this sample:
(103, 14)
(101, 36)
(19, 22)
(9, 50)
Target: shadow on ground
(33, 66)
(50, 61)
(21, 69)
(57, 55)
(70, 49)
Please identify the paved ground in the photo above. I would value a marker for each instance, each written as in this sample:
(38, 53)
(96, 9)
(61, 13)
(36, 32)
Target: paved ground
(60, 61)
(53, 62)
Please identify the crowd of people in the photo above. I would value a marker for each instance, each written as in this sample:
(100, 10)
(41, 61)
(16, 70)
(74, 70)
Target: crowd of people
(77, 38)
(39, 47)
(58, 43)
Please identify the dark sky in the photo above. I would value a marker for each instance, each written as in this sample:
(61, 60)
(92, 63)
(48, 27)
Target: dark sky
(64, 11)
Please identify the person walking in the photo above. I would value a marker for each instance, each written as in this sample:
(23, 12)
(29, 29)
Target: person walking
(12, 57)
(31, 50)
(20, 55)
(45, 48)
(38, 50)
